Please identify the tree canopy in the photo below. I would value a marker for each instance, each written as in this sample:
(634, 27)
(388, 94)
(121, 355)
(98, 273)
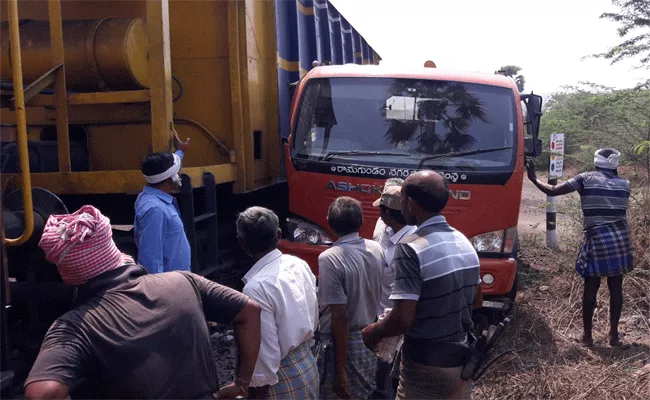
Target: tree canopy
(633, 19)
(513, 72)
(594, 116)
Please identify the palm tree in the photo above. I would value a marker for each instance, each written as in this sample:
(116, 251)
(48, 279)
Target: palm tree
(437, 104)
(512, 71)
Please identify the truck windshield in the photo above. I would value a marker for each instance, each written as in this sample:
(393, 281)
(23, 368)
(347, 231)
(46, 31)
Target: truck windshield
(398, 122)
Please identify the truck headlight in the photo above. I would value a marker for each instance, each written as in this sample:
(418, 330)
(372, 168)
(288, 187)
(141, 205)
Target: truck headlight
(304, 232)
(496, 242)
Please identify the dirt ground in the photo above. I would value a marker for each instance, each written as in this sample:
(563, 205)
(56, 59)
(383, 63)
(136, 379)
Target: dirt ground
(540, 358)
(225, 354)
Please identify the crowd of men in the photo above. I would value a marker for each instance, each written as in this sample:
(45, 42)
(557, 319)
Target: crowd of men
(139, 328)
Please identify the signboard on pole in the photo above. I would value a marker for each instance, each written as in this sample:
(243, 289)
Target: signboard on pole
(556, 165)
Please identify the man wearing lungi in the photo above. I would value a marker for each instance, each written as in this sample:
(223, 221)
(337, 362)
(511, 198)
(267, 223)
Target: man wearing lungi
(285, 288)
(133, 334)
(607, 249)
(437, 274)
(349, 290)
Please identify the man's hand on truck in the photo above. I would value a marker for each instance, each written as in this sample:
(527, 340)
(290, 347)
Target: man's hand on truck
(530, 168)
(180, 145)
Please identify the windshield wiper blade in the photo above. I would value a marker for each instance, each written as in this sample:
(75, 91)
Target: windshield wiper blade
(460, 153)
(332, 154)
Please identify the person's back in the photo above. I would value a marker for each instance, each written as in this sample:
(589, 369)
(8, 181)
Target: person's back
(607, 248)
(136, 336)
(292, 279)
(357, 263)
(349, 290)
(285, 288)
(437, 273)
(446, 280)
(603, 196)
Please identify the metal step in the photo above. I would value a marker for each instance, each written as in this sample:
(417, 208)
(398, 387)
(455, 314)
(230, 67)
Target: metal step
(204, 217)
(6, 379)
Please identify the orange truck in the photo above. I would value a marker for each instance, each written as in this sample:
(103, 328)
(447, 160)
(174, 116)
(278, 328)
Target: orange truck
(353, 127)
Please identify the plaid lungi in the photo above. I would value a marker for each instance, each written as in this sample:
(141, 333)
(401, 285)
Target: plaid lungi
(361, 367)
(607, 251)
(298, 376)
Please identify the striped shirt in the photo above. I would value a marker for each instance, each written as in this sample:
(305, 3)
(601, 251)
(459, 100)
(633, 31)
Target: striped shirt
(438, 267)
(603, 196)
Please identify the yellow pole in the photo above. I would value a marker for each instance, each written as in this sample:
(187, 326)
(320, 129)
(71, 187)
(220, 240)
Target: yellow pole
(160, 74)
(21, 125)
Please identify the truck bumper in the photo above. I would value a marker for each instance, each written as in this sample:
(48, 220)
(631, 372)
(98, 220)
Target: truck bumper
(503, 270)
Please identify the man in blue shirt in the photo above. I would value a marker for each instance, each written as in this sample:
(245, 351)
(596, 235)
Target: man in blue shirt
(158, 228)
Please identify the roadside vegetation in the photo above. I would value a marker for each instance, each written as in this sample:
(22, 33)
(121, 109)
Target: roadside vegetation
(538, 357)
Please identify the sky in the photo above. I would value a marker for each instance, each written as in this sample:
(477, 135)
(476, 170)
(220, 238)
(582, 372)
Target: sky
(546, 38)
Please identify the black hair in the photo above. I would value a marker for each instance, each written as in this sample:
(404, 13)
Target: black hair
(345, 216)
(257, 228)
(394, 214)
(431, 197)
(156, 163)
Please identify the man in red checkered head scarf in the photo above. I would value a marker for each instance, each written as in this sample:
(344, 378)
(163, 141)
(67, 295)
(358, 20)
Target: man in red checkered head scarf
(135, 335)
(81, 245)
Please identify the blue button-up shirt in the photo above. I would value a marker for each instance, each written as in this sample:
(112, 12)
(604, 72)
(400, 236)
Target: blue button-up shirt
(159, 234)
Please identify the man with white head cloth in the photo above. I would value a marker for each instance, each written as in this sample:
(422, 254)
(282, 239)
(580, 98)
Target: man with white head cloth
(158, 228)
(607, 250)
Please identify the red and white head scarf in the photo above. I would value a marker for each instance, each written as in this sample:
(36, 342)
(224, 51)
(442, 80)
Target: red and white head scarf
(81, 245)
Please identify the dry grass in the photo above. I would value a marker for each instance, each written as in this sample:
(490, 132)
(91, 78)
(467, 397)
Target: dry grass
(545, 361)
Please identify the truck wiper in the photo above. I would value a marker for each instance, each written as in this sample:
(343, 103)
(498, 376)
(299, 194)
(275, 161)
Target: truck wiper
(332, 154)
(460, 153)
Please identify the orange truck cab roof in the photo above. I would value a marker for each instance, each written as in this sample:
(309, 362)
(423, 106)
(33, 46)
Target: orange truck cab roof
(380, 71)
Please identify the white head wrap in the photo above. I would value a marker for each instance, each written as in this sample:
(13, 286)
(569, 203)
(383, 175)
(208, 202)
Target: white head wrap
(610, 162)
(171, 172)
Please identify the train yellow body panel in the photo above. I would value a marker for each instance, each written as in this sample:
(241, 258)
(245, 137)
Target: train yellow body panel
(222, 56)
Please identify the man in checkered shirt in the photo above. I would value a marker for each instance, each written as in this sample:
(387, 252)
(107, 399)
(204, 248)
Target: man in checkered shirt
(607, 250)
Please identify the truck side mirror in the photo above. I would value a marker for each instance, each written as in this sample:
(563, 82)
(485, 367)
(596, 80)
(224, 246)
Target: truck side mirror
(532, 109)
(532, 147)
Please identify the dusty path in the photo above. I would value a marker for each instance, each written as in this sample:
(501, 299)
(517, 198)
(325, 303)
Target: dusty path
(532, 213)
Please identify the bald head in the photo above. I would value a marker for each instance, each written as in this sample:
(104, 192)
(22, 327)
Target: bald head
(428, 189)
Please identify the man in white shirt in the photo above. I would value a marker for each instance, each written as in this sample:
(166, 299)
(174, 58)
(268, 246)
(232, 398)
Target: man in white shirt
(390, 214)
(285, 289)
